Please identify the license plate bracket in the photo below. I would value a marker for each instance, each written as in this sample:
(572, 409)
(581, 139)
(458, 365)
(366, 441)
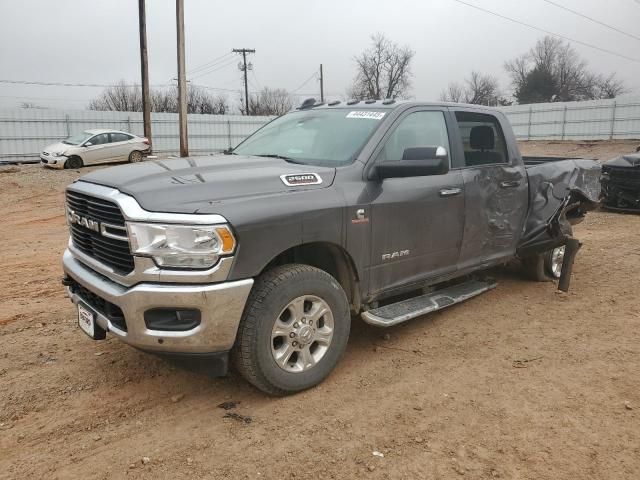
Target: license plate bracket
(87, 322)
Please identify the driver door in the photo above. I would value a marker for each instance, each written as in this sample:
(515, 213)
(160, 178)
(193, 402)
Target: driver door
(417, 223)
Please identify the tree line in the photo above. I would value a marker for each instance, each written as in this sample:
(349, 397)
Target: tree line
(551, 71)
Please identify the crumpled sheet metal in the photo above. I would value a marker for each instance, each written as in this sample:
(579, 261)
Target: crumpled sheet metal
(550, 183)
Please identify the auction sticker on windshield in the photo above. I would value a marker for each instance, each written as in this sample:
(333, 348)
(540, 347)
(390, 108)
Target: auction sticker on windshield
(367, 115)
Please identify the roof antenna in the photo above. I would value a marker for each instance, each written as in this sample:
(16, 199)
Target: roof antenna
(308, 103)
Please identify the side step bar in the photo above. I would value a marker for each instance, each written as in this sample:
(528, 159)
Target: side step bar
(415, 307)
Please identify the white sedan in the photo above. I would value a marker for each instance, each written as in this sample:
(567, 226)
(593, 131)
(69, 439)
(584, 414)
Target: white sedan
(95, 146)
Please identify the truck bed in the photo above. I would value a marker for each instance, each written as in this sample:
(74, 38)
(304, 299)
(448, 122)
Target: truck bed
(532, 161)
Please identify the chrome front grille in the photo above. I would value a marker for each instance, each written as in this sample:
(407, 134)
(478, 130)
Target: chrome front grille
(101, 233)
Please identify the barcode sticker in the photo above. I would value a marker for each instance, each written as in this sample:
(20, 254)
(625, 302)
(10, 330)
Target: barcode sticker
(367, 115)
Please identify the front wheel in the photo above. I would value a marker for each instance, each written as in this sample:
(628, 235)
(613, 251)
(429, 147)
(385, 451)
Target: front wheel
(293, 331)
(73, 163)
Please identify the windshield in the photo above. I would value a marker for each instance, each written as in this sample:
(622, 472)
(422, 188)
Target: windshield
(314, 137)
(78, 138)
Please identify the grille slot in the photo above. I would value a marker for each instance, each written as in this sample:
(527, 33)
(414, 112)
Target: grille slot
(110, 251)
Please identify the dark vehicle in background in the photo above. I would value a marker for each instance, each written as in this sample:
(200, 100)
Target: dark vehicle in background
(621, 183)
(387, 210)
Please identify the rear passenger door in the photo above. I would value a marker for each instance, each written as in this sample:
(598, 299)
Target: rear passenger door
(120, 147)
(495, 188)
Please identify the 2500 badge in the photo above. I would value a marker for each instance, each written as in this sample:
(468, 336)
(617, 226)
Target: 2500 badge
(294, 180)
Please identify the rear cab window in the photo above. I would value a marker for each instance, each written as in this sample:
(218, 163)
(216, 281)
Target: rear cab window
(482, 139)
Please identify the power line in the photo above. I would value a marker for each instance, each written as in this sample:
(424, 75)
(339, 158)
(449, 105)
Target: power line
(313, 75)
(595, 47)
(219, 67)
(61, 84)
(209, 63)
(592, 19)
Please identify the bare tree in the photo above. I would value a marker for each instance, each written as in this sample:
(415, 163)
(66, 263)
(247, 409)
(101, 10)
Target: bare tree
(479, 89)
(119, 97)
(453, 93)
(553, 71)
(383, 71)
(610, 87)
(165, 101)
(127, 98)
(201, 101)
(270, 101)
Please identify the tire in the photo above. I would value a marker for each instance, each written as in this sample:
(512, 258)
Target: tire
(135, 156)
(73, 163)
(274, 321)
(544, 266)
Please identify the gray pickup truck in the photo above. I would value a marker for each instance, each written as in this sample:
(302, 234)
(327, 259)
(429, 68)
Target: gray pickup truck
(388, 210)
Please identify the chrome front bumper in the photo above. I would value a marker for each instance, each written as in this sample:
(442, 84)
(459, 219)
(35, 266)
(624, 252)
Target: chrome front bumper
(220, 304)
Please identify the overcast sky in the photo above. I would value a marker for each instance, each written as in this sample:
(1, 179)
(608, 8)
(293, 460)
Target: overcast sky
(80, 41)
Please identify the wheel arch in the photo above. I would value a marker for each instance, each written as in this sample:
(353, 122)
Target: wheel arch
(329, 257)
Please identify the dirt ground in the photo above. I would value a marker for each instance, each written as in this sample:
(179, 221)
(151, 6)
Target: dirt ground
(518, 383)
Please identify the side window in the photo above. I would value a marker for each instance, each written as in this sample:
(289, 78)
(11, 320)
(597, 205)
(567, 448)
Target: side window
(418, 129)
(482, 138)
(119, 137)
(100, 139)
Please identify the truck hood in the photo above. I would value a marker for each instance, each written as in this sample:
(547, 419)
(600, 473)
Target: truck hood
(187, 185)
(632, 160)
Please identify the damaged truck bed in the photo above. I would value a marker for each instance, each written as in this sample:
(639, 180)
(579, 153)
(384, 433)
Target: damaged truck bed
(561, 191)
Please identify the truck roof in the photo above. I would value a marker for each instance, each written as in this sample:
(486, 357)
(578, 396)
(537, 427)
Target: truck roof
(383, 104)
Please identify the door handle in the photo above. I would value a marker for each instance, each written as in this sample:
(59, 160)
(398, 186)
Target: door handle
(510, 184)
(450, 192)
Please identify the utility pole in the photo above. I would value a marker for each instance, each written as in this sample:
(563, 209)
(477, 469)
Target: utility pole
(182, 84)
(243, 68)
(321, 85)
(144, 71)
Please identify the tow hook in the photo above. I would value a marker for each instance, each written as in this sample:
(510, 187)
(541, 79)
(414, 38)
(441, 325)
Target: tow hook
(571, 249)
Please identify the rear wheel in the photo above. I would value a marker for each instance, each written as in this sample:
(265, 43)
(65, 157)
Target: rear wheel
(545, 266)
(73, 163)
(293, 331)
(135, 156)
(553, 261)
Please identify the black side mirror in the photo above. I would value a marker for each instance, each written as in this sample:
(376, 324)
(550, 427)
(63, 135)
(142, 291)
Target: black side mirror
(416, 162)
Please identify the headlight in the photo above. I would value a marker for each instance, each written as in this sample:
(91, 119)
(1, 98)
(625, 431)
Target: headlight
(186, 246)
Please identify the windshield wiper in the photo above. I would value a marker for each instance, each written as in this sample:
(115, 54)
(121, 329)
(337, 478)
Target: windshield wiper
(281, 157)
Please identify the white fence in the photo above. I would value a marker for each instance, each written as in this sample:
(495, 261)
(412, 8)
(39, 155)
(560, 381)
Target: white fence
(592, 120)
(24, 132)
